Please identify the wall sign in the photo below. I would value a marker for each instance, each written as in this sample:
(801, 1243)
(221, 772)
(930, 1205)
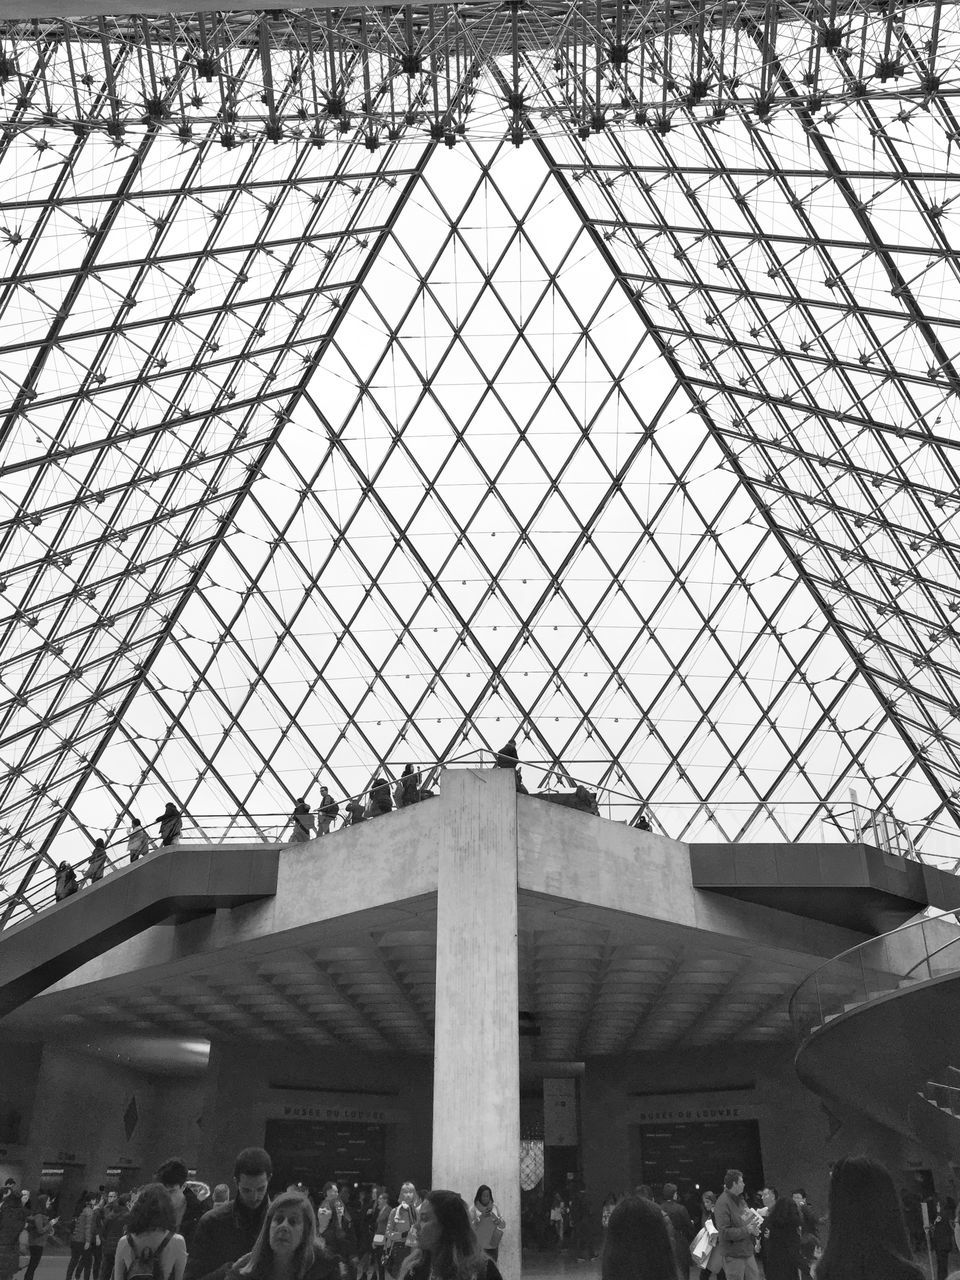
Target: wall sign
(693, 1108)
(337, 1108)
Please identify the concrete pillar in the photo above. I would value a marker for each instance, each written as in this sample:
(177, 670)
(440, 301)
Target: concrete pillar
(476, 1065)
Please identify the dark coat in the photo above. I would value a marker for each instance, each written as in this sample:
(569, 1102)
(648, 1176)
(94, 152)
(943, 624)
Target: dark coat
(410, 788)
(487, 1270)
(781, 1252)
(193, 1211)
(13, 1218)
(111, 1226)
(223, 1235)
(941, 1235)
(66, 882)
(380, 796)
(880, 1266)
(683, 1232)
(338, 1234)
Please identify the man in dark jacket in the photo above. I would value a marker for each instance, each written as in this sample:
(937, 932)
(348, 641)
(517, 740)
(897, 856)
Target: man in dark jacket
(230, 1230)
(173, 1175)
(110, 1224)
(683, 1231)
(738, 1226)
(809, 1233)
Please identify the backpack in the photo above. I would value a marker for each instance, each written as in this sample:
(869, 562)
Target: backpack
(146, 1265)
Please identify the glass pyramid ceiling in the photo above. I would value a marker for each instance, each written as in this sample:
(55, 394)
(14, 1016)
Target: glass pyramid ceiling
(378, 383)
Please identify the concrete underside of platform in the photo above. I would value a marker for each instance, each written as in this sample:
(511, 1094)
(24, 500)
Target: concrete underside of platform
(660, 1002)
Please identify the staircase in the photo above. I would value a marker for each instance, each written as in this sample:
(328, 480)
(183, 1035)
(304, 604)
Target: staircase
(879, 1032)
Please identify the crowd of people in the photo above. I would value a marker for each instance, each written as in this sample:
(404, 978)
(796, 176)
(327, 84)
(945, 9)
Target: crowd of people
(730, 1237)
(306, 823)
(165, 1231)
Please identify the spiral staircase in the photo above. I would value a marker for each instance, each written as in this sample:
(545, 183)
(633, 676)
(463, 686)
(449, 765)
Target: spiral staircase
(879, 1031)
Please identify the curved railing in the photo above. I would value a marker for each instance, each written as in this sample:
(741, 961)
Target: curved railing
(916, 952)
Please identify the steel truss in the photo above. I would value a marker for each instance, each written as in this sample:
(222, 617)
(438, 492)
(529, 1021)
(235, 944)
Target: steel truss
(626, 418)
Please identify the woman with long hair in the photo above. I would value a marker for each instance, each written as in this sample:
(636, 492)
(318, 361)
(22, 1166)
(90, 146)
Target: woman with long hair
(780, 1233)
(39, 1231)
(868, 1238)
(151, 1244)
(401, 1230)
(637, 1245)
(487, 1221)
(288, 1246)
(447, 1246)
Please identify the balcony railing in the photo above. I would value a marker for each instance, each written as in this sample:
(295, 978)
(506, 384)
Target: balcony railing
(683, 819)
(916, 952)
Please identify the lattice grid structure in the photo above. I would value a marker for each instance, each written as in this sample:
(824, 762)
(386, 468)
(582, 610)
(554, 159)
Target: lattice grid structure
(378, 382)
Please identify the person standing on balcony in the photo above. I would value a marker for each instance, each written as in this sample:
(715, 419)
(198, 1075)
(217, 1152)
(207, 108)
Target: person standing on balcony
(380, 799)
(138, 842)
(356, 811)
(327, 810)
(407, 790)
(302, 821)
(98, 862)
(171, 826)
(66, 883)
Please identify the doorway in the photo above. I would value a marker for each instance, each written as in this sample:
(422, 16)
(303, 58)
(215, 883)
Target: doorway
(695, 1154)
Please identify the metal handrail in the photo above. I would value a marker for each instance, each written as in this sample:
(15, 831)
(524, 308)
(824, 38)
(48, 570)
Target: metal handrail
(854, 958)
(270, 827)
(258, 824)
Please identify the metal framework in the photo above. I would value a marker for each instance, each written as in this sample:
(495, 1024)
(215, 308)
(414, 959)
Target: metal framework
(379, 381)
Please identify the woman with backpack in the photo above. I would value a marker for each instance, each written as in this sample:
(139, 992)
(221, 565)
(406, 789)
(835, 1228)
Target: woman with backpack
(151, 1249)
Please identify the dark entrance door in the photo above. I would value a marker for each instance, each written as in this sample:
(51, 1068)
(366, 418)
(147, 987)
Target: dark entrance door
(317, 1151)
(695, 1153)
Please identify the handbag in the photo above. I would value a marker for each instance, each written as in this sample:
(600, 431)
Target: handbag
(703, 1245)
(495, 1238)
